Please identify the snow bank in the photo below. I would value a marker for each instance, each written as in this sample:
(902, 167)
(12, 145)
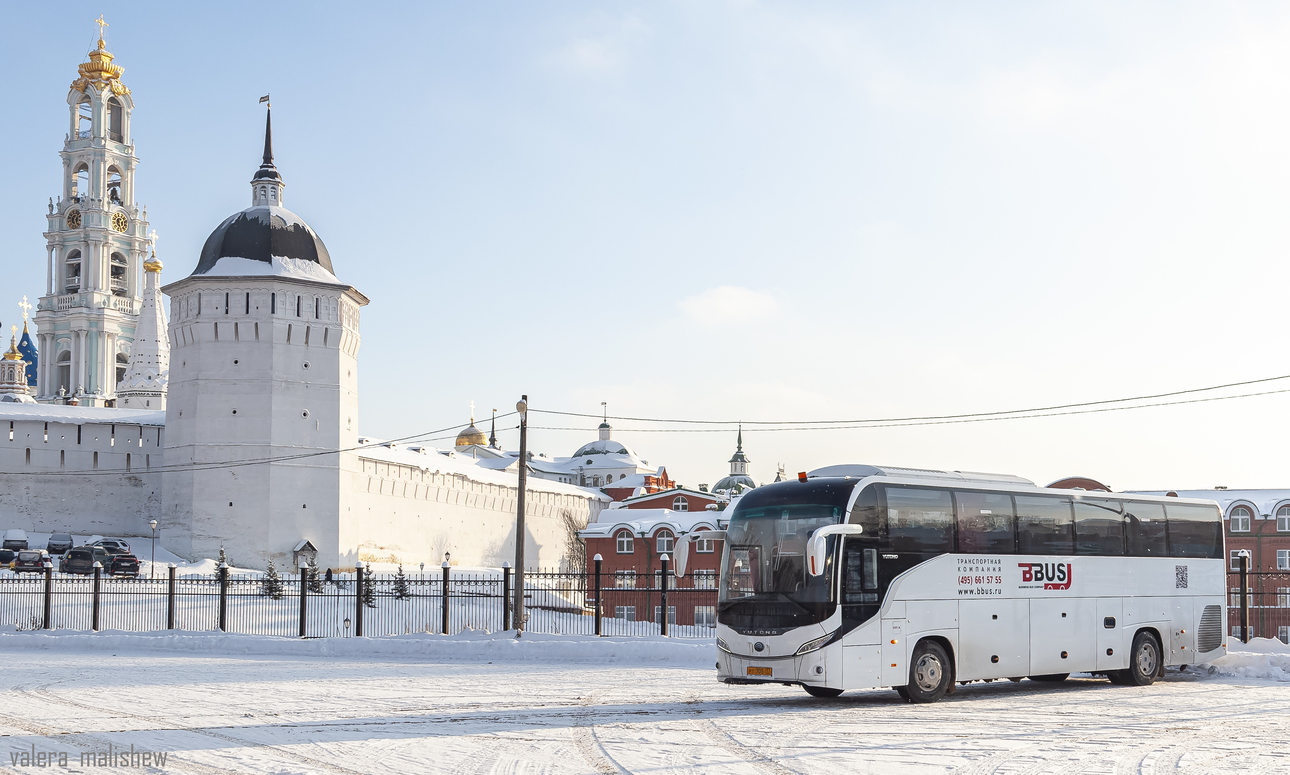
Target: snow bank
(1262, 659)
(466, 646)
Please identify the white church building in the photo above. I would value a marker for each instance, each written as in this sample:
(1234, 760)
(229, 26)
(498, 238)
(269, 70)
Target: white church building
(234, 421)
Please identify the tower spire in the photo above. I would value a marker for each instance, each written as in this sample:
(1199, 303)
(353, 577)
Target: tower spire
(741, 438)
(267, 184)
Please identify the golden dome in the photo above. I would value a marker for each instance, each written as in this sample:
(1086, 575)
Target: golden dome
(152, 264)
(100, 71)
(471, 435)
(14, 355)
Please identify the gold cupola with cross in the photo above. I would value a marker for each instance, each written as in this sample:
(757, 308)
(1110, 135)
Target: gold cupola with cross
(96, 242)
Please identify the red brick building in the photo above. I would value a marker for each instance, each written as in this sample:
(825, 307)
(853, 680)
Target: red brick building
(639, 484)
(678, 499)
(631, 543)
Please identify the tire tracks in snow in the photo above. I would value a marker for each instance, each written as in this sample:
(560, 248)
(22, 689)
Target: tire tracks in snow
(44, 693)
(588, 744)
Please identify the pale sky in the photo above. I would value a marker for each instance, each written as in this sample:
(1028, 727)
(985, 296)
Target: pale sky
(741, 211)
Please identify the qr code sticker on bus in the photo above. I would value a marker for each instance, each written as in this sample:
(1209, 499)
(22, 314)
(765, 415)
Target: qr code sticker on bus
(1180, 577)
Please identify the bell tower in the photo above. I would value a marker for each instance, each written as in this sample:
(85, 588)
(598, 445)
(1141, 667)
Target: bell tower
(96, 243)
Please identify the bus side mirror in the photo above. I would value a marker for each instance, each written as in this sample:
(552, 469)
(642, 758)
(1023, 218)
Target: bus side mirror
(818, 545)
(681, 550)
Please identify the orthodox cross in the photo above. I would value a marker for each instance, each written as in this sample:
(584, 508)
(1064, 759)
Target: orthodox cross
(25, 307)
(472, 412)
(99, 21)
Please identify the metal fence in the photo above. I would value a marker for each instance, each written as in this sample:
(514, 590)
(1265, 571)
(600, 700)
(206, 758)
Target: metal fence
(363, 604)
(1265, 610)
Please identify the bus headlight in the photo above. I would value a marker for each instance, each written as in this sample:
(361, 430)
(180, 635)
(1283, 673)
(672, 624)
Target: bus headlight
(814, 645)
(721, 644)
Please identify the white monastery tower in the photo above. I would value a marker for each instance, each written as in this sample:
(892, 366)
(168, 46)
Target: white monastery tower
(144, 385)
(95, 244)
(263, 387)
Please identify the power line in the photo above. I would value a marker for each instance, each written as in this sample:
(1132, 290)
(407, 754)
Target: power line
(863, 421)
(991, 417)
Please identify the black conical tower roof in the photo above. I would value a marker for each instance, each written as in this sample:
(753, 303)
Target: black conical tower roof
(267, 171)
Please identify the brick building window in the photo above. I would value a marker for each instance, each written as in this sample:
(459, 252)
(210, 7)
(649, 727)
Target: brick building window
(705, 546)
(665, 541)
(625, 579)
(625, 542)
(706, 616)
(1240, 519)
(705, 579)
(679, 503)
(1283, 634)
(1283, 597)
(627, 612)
(671, 614)
(1235, 555)
(1283, 519)
(1283, 559)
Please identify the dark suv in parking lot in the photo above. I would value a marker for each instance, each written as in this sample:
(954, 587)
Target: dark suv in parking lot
(122, 565)
(30, 561)
(80, 560)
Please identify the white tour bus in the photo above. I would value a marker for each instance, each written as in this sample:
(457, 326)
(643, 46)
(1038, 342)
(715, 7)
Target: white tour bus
(857, 577)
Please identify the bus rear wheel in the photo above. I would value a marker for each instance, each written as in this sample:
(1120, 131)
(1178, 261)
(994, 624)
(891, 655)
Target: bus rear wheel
(821, 691)
(930, 673)
(1052, 677)
(1144, 661)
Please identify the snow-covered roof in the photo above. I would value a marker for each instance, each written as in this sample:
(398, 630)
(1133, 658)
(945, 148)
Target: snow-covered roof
(468, 467)
(1264, 502)
(273, 237)
(647, 521)
(80, 415)
(278, 266)
(672, 492)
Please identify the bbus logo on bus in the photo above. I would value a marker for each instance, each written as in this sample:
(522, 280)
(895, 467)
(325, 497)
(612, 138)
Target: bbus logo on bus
(1054, 575)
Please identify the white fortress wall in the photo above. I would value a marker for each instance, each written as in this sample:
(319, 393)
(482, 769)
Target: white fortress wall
(79, 469)
(415, 507)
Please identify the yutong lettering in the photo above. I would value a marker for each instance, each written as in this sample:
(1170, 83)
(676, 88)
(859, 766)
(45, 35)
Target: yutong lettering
(1054, 575)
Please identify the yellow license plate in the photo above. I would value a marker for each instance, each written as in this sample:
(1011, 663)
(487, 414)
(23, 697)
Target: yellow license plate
(759, 671)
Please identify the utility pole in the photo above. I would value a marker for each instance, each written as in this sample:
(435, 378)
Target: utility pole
(523, 408)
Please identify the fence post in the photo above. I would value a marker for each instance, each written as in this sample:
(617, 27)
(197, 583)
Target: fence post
(445, 597)
(94, 617)
(506, 596)
(599, 602)
(223, 596)
(663, 596)
(1244, 563)
(358, 599)
(170, 596)
(49, 596)
(304, 595)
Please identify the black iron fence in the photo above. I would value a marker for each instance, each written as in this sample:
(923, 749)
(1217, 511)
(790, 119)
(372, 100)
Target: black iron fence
(361, 603)
(1264, 609)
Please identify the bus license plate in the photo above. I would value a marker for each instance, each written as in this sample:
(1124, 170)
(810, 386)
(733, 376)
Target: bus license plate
(759, 671)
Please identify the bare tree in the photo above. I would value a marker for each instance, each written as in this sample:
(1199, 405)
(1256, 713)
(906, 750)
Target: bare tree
(575, 549)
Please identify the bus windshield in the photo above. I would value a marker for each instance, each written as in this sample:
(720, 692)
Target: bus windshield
(765, 586)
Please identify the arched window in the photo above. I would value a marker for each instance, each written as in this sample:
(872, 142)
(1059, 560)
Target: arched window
(665, 541)
(122, 363)
(679, 503)
(81, 183)
(1240, 519)
(595, 480)
(625, 542)
(1283, 519)
(116, 120)
(72, 278)
(64, 364)
(609, 478)
(114, 185)
(84, 118)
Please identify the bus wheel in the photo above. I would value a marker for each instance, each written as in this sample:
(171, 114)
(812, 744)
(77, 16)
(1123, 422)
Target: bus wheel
(1052, 678)
(930, 673)
(821, 691)
(1144, 660)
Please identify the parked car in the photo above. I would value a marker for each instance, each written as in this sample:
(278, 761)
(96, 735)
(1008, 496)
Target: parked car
(80, 560)
(122, 565)
(31, 561)
(113, 545)
(7, 556)
(15, 539)
(59, 543)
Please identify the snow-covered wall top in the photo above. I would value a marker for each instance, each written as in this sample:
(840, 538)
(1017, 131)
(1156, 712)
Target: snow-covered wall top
(79, 415)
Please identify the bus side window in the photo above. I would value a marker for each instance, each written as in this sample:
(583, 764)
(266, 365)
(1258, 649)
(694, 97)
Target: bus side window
(1146, 526)
(1099, 527)
(985, 522)
(865, 513)
(920, 521)
(859, 574)
(1044, 525)
(1195, 531)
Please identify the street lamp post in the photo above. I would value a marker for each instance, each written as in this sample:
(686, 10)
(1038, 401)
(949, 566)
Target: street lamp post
(153, 564)
(523, 408)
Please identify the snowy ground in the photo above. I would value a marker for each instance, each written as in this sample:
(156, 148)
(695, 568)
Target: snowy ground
(563, 704)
